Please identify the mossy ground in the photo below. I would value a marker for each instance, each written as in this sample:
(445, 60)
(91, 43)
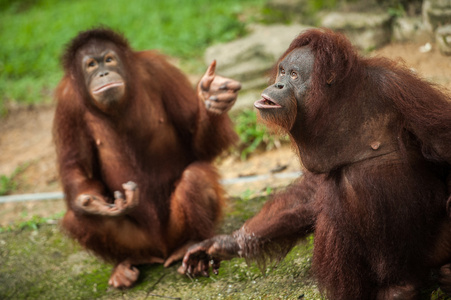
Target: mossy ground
(42, 263)
(37, 261)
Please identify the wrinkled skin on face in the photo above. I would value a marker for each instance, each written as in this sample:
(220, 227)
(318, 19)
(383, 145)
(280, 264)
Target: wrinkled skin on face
(104, 74)
(289, 91)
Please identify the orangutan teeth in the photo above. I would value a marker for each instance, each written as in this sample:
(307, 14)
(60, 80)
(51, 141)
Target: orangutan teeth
(267, 102)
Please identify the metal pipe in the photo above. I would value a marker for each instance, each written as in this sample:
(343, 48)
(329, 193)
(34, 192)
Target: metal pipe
(31, 197)
(230, 181)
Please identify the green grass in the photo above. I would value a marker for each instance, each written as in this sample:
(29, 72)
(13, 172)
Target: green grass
(33, 34)
(9, 184)
(253, 135)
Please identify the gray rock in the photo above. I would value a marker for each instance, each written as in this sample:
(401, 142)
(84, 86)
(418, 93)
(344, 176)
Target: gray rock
(436, 13)
(443, 39)
(366, 31)
(410, 29)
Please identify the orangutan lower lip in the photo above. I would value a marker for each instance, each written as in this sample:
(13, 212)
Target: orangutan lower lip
(107, 86)
(266, 102)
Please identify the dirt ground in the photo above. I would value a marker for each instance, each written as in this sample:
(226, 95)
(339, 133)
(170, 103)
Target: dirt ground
(26, 146)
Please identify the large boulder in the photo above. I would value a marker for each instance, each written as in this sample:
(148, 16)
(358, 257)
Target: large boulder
(443, 39)
(410, 29)
(367, 31)
(436, 13)
(250, 58)
(437, 20)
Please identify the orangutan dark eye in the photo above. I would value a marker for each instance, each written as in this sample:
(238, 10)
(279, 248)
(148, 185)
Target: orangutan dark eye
(294, 75)
(282, 71)
(91, 63)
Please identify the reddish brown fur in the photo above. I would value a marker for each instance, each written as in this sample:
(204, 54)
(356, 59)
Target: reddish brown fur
(376, 142)
(335, 58)
(163, 139)
(378, 221)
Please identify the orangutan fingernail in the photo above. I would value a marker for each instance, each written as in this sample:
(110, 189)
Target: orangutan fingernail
(118, 194)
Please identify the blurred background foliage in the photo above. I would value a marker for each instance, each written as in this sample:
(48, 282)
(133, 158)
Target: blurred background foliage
(33, 34)
(254, 135)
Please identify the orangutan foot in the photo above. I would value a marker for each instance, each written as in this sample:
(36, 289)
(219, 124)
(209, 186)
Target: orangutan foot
(124, 275)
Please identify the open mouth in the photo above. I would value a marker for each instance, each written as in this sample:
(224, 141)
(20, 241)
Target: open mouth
(106, 87)
(266, 102)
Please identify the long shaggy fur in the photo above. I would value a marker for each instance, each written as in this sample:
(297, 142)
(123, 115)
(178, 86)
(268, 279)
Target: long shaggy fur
(162, 138)
(380, 221)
